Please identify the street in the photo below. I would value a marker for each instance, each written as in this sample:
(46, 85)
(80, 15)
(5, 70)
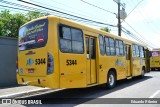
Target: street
(148, 87)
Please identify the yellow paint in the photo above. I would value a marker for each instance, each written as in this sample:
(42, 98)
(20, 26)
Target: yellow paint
(87, 72)
(155, 60)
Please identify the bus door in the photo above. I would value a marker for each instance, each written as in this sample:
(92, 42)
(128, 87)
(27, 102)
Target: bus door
(147, 60)
(91, 59)
(128, 59)
(136, 61)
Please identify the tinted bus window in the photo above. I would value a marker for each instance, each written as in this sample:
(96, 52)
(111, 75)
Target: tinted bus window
(141, 52)
(101, 44)
(71, 40)
(109, 44)
(33, 35)
(134, 50)
(155, 54)
(137, 51)
(112, 47)
(119, 48)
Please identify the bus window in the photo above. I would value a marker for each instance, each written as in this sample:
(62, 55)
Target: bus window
(71, 40)
(127, 52)
(101, 44)
(155, 54)
(33, 35)
(92, 46)
(141, 52)
(109, 45)
(133, 51)
(77, 41)
(112, 47)
(87, 47)
(137, 51)
(119, 48)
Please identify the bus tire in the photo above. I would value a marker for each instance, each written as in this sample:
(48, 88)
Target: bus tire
(111, 80)
(142, 72)
(152, 69)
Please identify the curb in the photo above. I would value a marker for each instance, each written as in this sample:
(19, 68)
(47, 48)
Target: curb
(24, 93)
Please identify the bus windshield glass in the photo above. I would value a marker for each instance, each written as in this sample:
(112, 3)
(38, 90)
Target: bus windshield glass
(155, 54)
(33, 35)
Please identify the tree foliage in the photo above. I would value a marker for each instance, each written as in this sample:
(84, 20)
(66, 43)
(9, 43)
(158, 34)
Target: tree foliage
(106, 29)
(10, 23)
(34, 14)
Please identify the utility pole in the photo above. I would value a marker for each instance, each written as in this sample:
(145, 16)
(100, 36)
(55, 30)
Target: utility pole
(119, 20)
(121, 14)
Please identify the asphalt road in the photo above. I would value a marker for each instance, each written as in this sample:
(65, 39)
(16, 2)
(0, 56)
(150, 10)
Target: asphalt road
(148, 87)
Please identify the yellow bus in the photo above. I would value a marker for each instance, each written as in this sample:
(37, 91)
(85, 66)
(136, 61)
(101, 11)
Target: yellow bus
(155, 60)
(58, 53)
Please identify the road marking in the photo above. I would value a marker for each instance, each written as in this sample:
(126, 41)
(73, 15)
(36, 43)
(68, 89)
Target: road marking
(154, 94)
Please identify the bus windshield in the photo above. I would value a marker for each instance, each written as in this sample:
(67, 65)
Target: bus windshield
(155, 54)
(33, 35)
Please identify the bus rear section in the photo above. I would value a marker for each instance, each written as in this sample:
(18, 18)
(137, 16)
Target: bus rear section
(35, 58)
(155, 60)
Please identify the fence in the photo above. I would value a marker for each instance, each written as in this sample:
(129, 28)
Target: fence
(8, 56)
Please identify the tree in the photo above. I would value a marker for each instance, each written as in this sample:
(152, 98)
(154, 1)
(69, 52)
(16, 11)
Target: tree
(10, 23)
(105, 29)
(34, 14)
(4, 19)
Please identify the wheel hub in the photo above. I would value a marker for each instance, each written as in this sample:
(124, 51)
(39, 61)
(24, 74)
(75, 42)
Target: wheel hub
(111, 80)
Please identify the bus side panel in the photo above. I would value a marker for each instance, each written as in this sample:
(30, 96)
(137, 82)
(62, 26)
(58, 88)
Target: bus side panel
(72, 65)
(72, 76)
(155, 62)
(136, 66)
(53, 50)
(105, 64)
(121, 67)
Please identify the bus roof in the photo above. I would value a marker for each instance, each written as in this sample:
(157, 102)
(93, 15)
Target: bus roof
(88, 28)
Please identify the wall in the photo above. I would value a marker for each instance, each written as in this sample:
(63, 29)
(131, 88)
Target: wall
(8, 56)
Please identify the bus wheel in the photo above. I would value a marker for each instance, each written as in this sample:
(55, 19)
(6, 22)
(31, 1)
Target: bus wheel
(152, 69)
(111, 80)
(142, 72)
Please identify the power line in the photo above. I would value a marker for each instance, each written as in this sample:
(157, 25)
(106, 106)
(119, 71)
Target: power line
(98, 7)
(70, 7)
(86, 15)
(83, 19)
(14, 4)
(15, 8)
(133, 9)
(66, 13)
(138, 33)
(61, 12)
(135, 37)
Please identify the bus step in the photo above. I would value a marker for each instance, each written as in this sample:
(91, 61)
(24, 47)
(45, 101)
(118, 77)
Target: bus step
(129, 77)
(90, 85)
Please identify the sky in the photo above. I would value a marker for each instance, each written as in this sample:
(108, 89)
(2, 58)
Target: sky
(144, 19)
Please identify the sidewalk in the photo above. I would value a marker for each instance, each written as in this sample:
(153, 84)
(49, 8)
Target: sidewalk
(10, 92)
